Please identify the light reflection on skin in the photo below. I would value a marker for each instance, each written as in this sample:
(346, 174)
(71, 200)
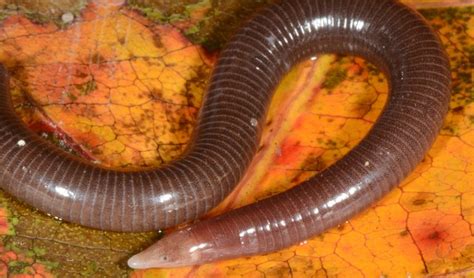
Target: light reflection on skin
(323, 22)
(247, 232)
(64, 192)
(168, 202)
(343, 196)
(165, 198)
(284, 225)
(297, 217)
(330, 21)
(197, 247)
(315, 211)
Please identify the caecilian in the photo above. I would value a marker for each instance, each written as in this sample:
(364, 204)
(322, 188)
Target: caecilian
(385, 32)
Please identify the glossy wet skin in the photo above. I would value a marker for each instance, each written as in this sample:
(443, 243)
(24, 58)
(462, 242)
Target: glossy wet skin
(385, 32)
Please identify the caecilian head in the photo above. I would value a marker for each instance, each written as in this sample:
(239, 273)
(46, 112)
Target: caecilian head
(175, 250)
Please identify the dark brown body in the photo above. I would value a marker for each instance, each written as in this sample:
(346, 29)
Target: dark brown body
(385, 32)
